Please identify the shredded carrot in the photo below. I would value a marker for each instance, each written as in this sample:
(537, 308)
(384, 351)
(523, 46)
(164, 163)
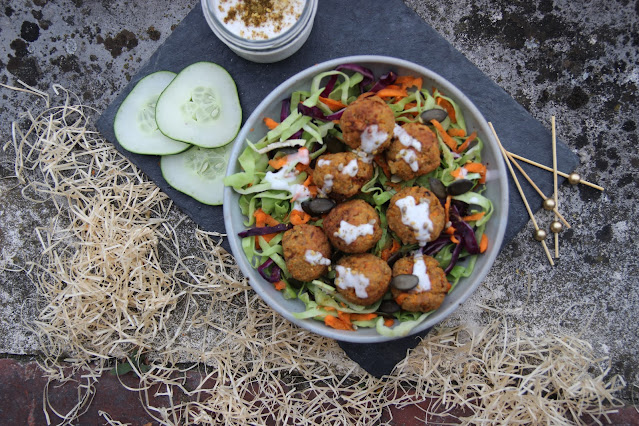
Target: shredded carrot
(388, 92)
(454, 239)
(389, 322)
(270, 123)
(363, 317)
(473, 217)
(449, 199)
(365, 95)
(308, 181)
(299, 217)
(328, 308)
(477, 168)
(280, 285)
(461, 148)
(387, 252)
(483, 244)
(456, 132)
(336, 121)
(332, 103)
(313, 190)
(380, 160)
(450, 142)
(407, 81)
(450, 230)
(449, 109)
(263, 219)
(278, 163)
(457, 173)
(302, 167)
(337, 323)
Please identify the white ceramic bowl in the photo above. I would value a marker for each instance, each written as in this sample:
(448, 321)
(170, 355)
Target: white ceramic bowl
(497, 192)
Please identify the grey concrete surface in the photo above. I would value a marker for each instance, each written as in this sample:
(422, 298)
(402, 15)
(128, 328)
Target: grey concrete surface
(577, 60)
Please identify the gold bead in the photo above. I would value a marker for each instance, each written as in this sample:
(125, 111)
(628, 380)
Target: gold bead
(556, 227)
(540, 235)
(574, 178)
(549, 204)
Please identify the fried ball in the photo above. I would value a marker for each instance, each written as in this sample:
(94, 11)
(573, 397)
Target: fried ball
(414, 151)
(415, 215)
(368, 124)
(419, 299)
(353, 226)
(362, 278)
(307, 252)
(341, 175)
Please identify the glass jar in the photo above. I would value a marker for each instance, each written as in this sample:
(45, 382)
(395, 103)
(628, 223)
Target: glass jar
(278, 45)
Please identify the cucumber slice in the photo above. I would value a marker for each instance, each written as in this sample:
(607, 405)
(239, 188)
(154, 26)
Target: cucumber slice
(200, 106)
(198, 172)
(134, 124)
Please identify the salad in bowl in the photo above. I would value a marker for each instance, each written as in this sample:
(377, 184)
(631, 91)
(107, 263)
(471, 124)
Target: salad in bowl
(365, 199)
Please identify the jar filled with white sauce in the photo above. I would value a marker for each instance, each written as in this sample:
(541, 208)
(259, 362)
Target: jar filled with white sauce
(261, 30)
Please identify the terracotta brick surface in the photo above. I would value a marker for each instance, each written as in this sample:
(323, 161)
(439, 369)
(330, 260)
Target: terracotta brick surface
(22, 388)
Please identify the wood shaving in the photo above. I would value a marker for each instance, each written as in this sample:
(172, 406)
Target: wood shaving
(112, 279)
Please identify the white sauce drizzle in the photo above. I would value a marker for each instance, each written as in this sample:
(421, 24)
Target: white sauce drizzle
(349, 233)
(351, 168)
(405, 138)
(316, 258)
(284, 179)
(322, 162)
(372, 138)
(420, 271)
(410, 158)
(328, 183)
(416, 217)
(365, 157)
(346, 279)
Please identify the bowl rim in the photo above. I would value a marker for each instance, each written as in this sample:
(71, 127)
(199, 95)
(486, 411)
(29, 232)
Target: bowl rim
(498, 168)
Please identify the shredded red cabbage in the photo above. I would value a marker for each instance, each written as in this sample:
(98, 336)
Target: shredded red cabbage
(385, 80)
(433, 247)
(286, 109)
(454, 258)
(265, 230)
(329, 86)
(368, 74)
(317, 113)
(276, 272)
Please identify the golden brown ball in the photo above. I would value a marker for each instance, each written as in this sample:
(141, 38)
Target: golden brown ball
(411, 224)
(418, 300)
(353, 226)
(368, 124)
(414, 151)
(306, 252)
(363, 278)
(341, 175)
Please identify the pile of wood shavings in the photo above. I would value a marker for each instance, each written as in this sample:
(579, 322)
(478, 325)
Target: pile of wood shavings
(112, 278)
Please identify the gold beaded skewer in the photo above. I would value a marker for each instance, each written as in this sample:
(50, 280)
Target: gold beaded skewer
(573, 178)
(549, 203)
(555, 226)
(540, 234)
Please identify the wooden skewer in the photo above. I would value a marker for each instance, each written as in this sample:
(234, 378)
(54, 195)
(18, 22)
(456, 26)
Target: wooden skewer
(521, 192)
(539, 191)
(559, 172)
(554, 175)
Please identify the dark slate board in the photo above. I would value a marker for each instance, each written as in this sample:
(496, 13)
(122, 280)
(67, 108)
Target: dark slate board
(366, 32)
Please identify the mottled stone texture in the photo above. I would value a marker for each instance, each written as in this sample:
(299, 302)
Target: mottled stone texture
(576, 60)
